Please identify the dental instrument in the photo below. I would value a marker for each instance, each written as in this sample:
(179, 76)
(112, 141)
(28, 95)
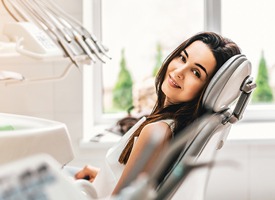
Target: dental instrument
(74, 40)
(46, 26)
(54, 30)
(67, 30)
(91, 38)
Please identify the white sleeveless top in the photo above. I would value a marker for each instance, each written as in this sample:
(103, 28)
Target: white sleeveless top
(109, 175)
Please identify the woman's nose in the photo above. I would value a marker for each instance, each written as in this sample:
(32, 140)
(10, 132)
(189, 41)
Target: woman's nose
(179, 75)
(180, 72)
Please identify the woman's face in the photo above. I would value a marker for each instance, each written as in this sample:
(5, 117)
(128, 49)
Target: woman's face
(188, 73)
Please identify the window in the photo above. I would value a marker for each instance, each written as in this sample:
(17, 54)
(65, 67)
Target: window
(248, 23)
(139, 27)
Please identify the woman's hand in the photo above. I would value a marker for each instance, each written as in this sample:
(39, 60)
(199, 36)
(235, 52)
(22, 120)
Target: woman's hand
(88, 172)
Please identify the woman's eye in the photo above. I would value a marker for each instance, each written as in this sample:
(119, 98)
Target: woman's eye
(182, 58)
(196, 73)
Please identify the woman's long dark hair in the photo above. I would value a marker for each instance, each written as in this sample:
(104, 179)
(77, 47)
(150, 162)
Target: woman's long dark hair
(186, 112)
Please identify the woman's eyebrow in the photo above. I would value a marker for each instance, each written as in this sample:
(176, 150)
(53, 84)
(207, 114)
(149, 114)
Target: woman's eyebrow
(185, 53)
(203, 68)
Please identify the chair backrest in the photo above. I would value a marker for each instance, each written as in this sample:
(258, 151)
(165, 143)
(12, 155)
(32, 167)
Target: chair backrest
(225, 98)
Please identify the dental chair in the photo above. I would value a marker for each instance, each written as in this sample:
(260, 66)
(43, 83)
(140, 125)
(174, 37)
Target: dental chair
(182, 171)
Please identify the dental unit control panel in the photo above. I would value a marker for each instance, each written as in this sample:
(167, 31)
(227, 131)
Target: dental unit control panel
(38, 177)
(30, 40)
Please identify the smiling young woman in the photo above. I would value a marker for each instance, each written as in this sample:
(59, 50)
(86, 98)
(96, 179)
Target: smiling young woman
(180, 85)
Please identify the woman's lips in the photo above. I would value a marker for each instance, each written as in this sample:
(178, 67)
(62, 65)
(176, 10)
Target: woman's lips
(172, 82)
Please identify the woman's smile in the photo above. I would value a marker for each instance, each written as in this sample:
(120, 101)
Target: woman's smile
(172, 82)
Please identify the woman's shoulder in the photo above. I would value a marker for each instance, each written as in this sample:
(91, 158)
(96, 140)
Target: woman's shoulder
(160, 124)
(170, 123)
(157, 128)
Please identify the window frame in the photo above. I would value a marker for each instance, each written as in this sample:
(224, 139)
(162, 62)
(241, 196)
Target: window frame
(93, 85)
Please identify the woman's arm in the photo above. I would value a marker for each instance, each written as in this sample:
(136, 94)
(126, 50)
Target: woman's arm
(158, 129)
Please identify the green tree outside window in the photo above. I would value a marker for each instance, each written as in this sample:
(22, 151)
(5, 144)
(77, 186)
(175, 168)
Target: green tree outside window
(263, 92)
(122, 93)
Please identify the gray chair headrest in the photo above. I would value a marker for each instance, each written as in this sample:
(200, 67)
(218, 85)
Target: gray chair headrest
(224, 87)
